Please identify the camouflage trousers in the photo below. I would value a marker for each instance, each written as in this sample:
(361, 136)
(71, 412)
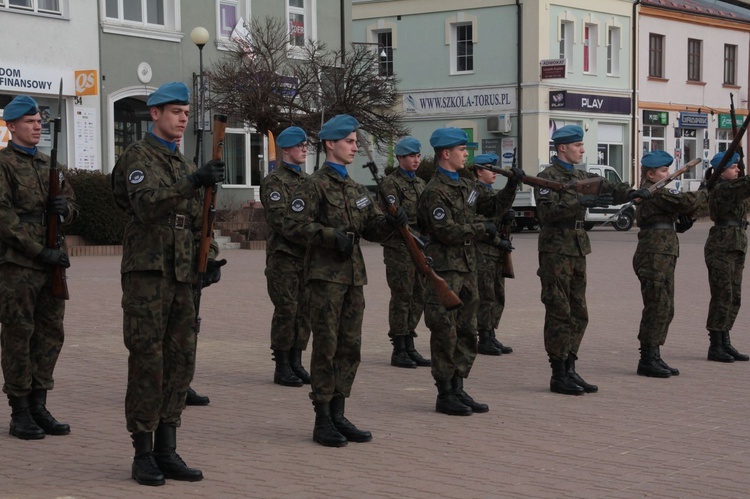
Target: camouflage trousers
(491, 292)
(158, 316)
(290, 326)
(725, 281)
(336, 312)
(566, 316)
(407, 286)
(32, 334)
(656, 273)
(453, 335)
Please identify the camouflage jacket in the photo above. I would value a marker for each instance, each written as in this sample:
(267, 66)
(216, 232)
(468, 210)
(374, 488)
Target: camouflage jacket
(664, 208)
(553, 208)
(324, 204)
(447, 214)
(24, 189)
(276, 192)
(726, 202)
(487, 246)
(403, 191)
(150, 184)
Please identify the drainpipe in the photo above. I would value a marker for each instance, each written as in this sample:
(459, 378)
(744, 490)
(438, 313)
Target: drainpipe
(636, 147)
(341, 28)
(519, 77)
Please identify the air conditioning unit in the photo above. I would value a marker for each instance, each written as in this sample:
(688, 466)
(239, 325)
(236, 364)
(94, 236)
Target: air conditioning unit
(499, 123)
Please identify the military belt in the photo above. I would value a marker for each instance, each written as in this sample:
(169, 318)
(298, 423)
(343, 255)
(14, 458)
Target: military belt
(33, 218)
(353, 237)
(731, 223)
(658, 226)
(576, 225)
(176, 221)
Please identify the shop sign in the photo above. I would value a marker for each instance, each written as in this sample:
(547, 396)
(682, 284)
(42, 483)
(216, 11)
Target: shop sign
(655, 117)
(693, 120)
(590, 103)
(474, 101)
(725, 120)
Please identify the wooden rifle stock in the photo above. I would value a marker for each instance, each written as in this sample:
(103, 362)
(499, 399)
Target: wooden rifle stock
(728, 154)
(583, 186)
(740, 151)
(54, 237)
(208, 218)
(507, 269)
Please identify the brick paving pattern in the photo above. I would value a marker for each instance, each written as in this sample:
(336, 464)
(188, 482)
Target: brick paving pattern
(686, 436)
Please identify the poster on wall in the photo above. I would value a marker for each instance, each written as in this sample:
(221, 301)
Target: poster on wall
(47, 119)
(506, 156)
(85, 138)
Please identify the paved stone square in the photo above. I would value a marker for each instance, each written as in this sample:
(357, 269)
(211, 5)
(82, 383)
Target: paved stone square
(686, 436)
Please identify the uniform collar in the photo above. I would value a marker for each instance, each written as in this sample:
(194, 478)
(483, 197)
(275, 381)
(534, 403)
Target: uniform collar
(296, 168)
(31, 151)
(169, 146)
(567, 166)
(406, 174)
(340, 169)
(450, 175)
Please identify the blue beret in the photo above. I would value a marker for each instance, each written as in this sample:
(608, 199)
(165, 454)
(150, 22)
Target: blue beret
(720, 155)
(175, 92)
(290, 137)
(568, 134)
(486, 159)
(338, 127)
(443, 138)
(406, 146)
(23, 105)
(656, 159)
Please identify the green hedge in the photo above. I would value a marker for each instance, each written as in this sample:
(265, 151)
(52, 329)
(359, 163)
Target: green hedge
(99, 221)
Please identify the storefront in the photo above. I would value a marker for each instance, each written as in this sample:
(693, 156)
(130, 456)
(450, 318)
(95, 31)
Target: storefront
(691, 141)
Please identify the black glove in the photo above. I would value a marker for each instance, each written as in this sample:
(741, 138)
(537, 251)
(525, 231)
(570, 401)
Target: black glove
(505, 245)
(591, 200)
(515, 180)
(684, 222)
(213, 272)
(344, 245)
(703, 186)
(491, 229)
(49, 256)
(400, 219)
(59, 206)
(209, 174)
(509, 216)
(639, 193)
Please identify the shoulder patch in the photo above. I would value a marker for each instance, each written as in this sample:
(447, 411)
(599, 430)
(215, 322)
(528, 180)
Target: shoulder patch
(438, 214)
(136, 177)
(674, 191)
(275, 196)
(298, 205)
(543, 191)
(473, 195)
(391, 199)
(363, 202)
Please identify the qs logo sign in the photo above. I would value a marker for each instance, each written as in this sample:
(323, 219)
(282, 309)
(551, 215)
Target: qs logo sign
(4, 134)
(86, 82)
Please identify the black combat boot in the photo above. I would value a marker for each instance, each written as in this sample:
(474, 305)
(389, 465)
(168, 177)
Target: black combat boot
(458, 388)
(42, 417)
(560, 382)
(399, 357)
(485, 345)
(570, 365)
(145, 471)
(194, 399)
(21, 423)
(411, 351)
(447, 402)
(498, 345)
(343, 425)
(295, 362)
(170, 463)
(283, 374)
(649, 366)
(325, 433)
(728, 348)
(716, 350)
(672, 370)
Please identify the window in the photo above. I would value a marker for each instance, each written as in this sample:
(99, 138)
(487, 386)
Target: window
(656, 55)
(610, 146)
(228, 17)
(694, 59)
(730, 64)
(723, 139)
(385, 53)
(53, 7)
(566, 42)
(464, 60)
(613, 51)
(653, 138)
(590, 37)
(244, 156)
(156, 19)
(136, 11)
(297, 23)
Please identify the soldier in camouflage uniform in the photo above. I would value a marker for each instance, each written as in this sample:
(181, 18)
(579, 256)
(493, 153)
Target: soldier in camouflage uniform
(655, 258)
(563, 246)
(446, 213)
(492, 254)
(724, 253)
(290, 326)
(160, 189)
(403, 188)
(329, 213)
(32, 332)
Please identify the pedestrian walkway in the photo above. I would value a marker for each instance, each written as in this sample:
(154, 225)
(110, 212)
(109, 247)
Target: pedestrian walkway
(686, 436)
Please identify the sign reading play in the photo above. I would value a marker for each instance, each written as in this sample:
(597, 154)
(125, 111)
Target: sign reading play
(590, 103)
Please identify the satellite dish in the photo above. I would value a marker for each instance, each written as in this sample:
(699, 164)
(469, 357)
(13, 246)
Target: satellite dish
(144, 72)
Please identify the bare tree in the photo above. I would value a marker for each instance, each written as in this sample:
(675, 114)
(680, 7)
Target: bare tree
(266, 84)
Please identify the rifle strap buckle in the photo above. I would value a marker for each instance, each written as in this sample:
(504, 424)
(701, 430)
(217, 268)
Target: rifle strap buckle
(177, 221)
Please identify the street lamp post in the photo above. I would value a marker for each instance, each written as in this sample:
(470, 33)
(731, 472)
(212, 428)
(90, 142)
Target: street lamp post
(200, 36)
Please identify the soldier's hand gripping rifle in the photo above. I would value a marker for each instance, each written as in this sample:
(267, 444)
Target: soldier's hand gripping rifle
(728, 154)
(732, 116)
(584, 186)
(661, 183)
(208, 218)
(447, 297)
(54, 236)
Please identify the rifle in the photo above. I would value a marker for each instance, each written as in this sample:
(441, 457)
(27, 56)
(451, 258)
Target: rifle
(661, 183)
(728, 154)
(54, 236)
(208, 218)
(583, 186)
(447, 297)
(508, 270)
(741, 163)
